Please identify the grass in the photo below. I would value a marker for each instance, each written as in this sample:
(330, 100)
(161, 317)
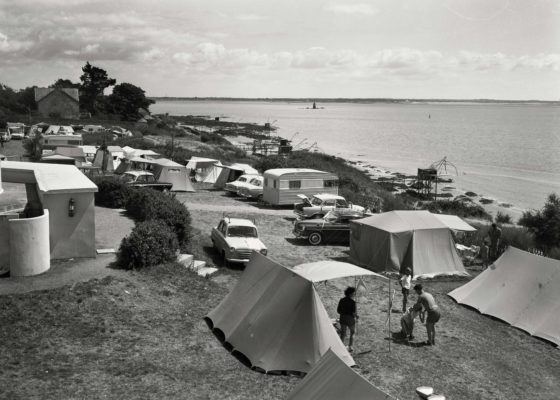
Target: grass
(143, 336)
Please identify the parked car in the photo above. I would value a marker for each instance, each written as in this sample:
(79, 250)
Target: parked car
(243, 180)
(144, 179)
(16, 130)
(321, 204)
(333, 227)
(235, 239)
(253, 189)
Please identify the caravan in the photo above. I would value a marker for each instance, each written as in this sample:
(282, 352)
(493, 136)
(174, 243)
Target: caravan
(283, 185)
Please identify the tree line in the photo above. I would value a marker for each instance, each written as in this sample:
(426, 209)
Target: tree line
(124, 101)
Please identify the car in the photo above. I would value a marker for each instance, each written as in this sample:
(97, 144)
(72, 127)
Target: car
(234, 186)
(145, 179)
(321, 204)
(235, 239)
(333, 227)
(16, 130)
(253, 189)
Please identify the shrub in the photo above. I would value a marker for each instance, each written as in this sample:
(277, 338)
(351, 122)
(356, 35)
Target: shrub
(502, 218)
(150, 243)
(545, 223)
(112, 193)
(464, 209)
(149, 204)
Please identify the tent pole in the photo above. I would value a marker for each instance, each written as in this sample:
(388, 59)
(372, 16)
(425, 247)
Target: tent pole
(390, 309)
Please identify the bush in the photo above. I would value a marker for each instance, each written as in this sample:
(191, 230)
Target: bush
(149, 204)
(463, 209)
(150, 243)
(502, 218)
(545, 223)
(112, 193)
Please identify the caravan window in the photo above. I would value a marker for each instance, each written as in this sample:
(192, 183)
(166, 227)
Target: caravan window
(295, 184)
(330, 183)
(274, 183)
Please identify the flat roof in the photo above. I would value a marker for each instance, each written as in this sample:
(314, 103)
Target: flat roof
(239, 222)
(324, 196)
(50, 178)
(277, 172)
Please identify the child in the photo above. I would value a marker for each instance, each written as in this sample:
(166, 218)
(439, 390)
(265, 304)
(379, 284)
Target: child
(407, 322)
(405, 281)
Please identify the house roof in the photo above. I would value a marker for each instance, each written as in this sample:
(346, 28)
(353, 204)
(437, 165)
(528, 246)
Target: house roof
(42, 93)
(277, 172)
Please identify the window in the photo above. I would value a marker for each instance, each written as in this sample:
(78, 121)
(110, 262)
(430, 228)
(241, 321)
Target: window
(330, 183)
(266, 182)
(274, 183)
(242, 231)
(295, 184)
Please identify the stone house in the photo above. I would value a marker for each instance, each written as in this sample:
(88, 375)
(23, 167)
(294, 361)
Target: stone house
(60, 102)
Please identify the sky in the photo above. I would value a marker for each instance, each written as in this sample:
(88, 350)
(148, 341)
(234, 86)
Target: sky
(447, 49)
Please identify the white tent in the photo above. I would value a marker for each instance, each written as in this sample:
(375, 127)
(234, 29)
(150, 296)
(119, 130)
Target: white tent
(206, 169)
(229, 173)
(395, 240)
(274, 320)
(59, 130)
(520, 288)
(332, 379)
(169, 171)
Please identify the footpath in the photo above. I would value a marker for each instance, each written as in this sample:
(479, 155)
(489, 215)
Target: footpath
(110, 227)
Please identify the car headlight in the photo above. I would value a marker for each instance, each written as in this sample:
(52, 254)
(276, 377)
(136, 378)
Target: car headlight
(232, 249)
(300, 227)
(264, 252)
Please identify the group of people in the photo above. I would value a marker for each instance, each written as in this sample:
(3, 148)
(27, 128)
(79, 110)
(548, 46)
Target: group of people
(425, 304)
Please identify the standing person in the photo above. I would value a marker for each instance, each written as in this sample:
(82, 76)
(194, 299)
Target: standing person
(405, 281)
(426, 301)
(347, 310)
(495, 235)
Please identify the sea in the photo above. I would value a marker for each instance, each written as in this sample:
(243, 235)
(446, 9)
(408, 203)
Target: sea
(507, 152)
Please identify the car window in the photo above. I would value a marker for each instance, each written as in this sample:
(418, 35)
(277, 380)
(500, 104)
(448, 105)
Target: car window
(256, 182)
(242, 231)
(341, 203)
(242, 179)
(221, 226)
(329, 203)
(315, 201)
(150, 179)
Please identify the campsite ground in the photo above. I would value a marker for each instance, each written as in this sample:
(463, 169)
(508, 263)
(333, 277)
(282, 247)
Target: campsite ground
(141, 335)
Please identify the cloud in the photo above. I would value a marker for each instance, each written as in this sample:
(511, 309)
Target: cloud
(359, 8)
(12, 46)
(250, 17)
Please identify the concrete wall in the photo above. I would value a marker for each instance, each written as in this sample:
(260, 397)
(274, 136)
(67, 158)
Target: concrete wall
(71, 236)
(29, 245)
(5, 239)
(59, 103)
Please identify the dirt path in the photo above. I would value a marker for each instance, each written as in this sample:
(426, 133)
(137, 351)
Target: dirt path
(111, 227)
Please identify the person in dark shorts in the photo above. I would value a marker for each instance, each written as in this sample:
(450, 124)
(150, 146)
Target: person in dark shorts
(404, 281)
(347, 310)
(427, 302)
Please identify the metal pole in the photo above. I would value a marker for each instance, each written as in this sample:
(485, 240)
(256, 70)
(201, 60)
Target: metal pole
(390, 310)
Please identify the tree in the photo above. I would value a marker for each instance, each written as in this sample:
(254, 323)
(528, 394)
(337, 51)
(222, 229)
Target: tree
(26, 97)
(33, 147)
(545, 223)
(94, 81)
(127, 99)
(65, 83)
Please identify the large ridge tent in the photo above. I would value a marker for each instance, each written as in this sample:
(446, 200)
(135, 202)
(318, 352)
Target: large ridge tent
(164, 170)
(273, 319)
(332, 379)
(520, 288)
(205, 169)
(230, 173)
(395, 240)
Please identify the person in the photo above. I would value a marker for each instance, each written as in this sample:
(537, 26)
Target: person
(348, 316)
(484, 253)
(495, 235)
(427, 302)
(407, 322)
(404, 281)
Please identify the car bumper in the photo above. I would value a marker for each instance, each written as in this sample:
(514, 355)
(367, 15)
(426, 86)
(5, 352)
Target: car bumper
(300, 234)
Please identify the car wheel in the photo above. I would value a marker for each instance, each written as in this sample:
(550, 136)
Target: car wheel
(315, 238)
(165, 190)
(260, 198)
(317, 216)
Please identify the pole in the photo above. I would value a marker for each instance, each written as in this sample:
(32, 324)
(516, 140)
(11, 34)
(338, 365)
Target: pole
(390, 310)
(172, 143)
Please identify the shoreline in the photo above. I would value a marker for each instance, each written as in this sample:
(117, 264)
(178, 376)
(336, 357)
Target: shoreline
(382, 174)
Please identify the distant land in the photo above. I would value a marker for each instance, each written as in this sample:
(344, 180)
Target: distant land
(354, 100)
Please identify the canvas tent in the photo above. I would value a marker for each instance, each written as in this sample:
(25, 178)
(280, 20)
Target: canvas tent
(205, 169)
(169, 171)
(229, 173)
(332, 379)
(103, 159)
(395, 240)
(520, 288)
(273, 319)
